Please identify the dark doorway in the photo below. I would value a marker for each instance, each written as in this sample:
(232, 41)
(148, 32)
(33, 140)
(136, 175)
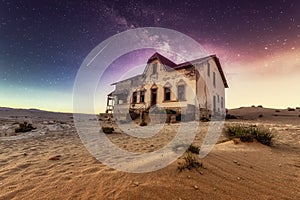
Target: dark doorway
(153, 96)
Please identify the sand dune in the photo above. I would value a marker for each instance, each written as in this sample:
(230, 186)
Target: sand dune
(52, 163)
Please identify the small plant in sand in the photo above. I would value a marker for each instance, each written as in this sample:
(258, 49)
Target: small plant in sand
(24, 127)
(249, 133)
(108, 130)
(143, 123)
(190, 162)
(264, 136)
(193, 149)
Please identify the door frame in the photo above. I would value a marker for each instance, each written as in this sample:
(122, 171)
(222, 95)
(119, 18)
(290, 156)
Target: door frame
(153, 90)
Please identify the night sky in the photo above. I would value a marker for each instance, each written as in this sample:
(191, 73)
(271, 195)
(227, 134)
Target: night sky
(43, 43)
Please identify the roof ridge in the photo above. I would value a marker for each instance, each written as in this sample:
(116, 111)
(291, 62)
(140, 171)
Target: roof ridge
(162, 59)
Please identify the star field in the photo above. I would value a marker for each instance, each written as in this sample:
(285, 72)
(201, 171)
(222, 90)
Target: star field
(43, 43)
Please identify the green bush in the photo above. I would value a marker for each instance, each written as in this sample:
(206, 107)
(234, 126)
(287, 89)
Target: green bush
(246, 137)
(193, 149)
(108, 130)
(249, 133)
(264, 136)
(234, 131)
(24, 127)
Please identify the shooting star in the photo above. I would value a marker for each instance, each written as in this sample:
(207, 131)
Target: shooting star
(97, 54)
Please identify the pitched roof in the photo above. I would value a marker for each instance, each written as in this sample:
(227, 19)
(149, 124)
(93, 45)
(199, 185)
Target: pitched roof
(162, 59)
(175, 66)
(191, 63)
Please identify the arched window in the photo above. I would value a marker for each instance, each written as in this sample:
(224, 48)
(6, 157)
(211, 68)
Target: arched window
(181, 90)
(134, 97)
(167, 94)
(153, 95)
(167, 91)
(142, 96)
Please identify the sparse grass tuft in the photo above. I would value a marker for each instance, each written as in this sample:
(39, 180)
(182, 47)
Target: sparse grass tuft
(264, 136)
(249, 133)
(24, 127)
(108, 130)
(246, 137)
(193, 149)
(190, 162)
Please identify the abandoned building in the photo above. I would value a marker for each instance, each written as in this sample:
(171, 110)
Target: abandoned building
(191, 89)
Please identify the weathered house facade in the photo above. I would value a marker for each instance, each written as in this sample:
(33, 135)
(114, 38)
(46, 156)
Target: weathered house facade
(195, 89)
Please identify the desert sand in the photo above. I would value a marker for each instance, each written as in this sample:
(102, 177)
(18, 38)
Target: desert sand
(52, 163)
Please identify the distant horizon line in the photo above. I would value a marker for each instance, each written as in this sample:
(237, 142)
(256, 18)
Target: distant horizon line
(70, 112)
